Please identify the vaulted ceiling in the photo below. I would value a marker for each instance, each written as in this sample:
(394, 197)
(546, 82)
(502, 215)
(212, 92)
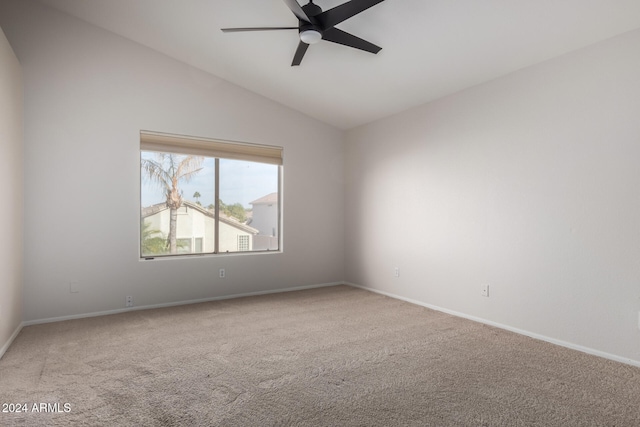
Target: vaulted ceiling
(431, 48)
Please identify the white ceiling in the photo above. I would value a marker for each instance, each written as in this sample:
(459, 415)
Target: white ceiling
(431, 48)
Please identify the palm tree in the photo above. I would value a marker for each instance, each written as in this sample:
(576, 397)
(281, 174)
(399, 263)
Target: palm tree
(197, 196)
(168, 170)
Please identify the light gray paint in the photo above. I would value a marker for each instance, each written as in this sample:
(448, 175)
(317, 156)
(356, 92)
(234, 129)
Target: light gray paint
(529, 183)
(12, 190)
(88, 93)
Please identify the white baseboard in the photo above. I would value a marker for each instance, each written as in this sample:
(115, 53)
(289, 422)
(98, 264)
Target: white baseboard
(506, 327)
(13, 336)
(173, 304)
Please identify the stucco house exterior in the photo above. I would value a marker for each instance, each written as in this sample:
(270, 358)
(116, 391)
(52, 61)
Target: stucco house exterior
(265, 219)
(195, 228)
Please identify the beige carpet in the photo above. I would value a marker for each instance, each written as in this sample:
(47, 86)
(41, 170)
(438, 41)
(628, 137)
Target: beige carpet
(335, 356)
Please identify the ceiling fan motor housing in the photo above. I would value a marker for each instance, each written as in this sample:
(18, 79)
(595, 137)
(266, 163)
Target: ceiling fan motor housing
(310, 32)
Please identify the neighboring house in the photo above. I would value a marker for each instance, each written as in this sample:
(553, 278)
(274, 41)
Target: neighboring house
(195, 228)
(264, 217)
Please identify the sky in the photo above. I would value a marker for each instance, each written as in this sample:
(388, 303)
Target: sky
(240, 182)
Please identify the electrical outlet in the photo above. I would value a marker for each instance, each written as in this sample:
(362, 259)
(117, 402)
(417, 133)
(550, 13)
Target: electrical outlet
(222, 273)
(129, 301)
(73, 287)
(396, 272)
(484, 290)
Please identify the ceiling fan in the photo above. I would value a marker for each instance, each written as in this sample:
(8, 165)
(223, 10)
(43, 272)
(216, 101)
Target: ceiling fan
(315, 25)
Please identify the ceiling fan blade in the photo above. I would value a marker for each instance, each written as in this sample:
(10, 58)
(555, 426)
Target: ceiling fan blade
(338, 36)
(331, 17)
(300, 51)
(297, 10)
(235, 30)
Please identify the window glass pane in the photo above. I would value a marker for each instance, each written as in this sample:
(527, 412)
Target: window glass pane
(178, 214)
(249, 207)
(177, 196)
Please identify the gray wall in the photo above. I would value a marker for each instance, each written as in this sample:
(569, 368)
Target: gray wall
(12, 181)
(88, 93)
(529, 183)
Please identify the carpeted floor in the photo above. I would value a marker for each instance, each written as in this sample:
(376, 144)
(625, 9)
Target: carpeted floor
(336, 356)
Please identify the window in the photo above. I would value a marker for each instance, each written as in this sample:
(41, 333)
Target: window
(203, 196)
(183, 245)
(243, 243)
